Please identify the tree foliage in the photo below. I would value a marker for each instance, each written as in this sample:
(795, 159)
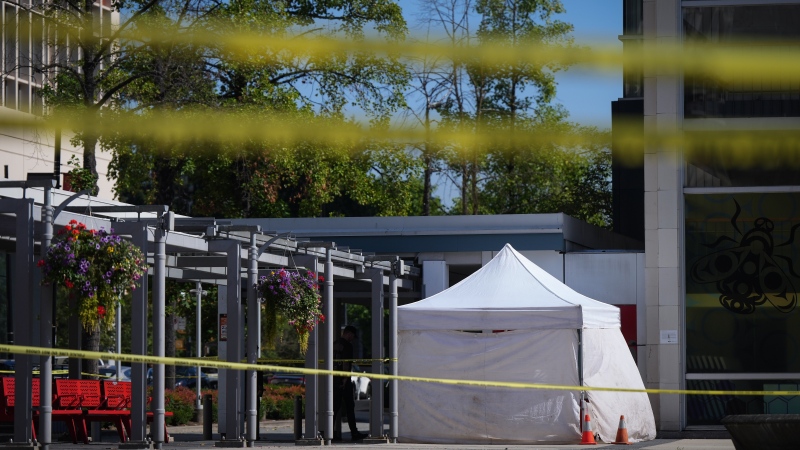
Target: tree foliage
(274, 179)
(280, 179)
(504, 99)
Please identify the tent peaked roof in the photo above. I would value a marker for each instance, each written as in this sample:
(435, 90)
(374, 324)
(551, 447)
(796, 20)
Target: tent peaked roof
(508, 293)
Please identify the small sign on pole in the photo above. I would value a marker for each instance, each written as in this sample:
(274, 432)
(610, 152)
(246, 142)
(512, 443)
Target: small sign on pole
(223, 327)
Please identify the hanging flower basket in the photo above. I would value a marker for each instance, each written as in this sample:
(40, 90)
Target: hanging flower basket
(293, 296)
(97, 267)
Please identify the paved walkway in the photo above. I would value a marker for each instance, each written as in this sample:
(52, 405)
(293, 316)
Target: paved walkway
(279, 434)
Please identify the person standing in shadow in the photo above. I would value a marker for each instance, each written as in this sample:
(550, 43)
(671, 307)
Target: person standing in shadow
(343, 388)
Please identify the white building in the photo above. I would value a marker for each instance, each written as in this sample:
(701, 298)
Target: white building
(24, 151)
(721, 270)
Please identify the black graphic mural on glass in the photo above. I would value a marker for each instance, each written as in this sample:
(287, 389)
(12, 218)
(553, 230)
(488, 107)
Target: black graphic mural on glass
(749, 273)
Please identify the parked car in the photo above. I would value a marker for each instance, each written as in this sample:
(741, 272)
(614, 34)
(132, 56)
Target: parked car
(7, 365)
(62, 362)
(110, 373)
(288, 379)
(187, 377)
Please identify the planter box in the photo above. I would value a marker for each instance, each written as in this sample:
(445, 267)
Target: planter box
(763, 431)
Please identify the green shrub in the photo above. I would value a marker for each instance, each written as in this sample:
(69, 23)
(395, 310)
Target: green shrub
(278, 401)
(180, 402)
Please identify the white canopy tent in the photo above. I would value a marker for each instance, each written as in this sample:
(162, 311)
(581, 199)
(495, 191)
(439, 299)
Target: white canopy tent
(513, 322)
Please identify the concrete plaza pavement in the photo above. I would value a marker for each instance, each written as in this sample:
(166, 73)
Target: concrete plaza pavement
(280, 434)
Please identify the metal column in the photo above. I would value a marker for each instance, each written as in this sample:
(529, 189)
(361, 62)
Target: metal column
(397, 271)
(199, 348)
(234, 351)
(376, 402)
(46, 330)
(312, 362)
(327, 328)
(23, 210)
(159, 345)
(253, 345)
(139, 234)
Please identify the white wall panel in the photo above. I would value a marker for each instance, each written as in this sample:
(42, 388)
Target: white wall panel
(609, 277)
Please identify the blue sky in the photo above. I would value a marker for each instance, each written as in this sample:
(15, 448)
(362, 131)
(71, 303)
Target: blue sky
(586, 94)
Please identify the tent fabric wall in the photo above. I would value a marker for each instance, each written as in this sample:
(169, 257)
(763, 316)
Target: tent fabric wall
(608, 363)
(464, 414)
(453, 335)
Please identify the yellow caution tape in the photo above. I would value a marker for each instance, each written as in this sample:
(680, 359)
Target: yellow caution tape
(36, 372)
(146, 359)
(740, 147)
(719, 61)
(302, 361)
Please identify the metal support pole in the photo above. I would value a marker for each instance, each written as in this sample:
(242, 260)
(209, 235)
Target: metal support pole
(159, 346)
(312, 362)
(22, 287)
(376, 405)
(397, 271)
(233, 378)
(139, 306)
(327, 306)
(199, 344)
(46, 331)
(233, 416)
(118, 326)
(207, 418)
(298, 419)
(253, 325)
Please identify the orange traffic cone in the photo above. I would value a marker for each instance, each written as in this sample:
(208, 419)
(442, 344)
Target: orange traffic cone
(588, 436)
(622, 433)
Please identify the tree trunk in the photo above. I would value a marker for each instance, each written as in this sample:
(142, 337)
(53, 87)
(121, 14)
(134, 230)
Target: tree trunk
(90, 158)
(75, 337)
(91, 342)
(426, 186)
(464, 184)
(89, 73)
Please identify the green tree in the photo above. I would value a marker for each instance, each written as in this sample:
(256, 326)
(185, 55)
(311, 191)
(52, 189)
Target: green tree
(273, 178)
(84, 72)
(548, 179)
(506, 100)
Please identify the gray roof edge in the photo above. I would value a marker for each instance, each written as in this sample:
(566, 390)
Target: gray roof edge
(586, 236)
(413, 225)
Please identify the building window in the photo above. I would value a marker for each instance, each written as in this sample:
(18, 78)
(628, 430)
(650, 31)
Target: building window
(741, 158)
(632, 17)
(768, 27)
(742, 312)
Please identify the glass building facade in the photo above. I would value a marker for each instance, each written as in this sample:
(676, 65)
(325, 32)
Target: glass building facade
(742, 315)
(761, 28)
(741, 240)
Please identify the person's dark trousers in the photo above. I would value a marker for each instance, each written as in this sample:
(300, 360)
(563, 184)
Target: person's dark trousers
(343, 400)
